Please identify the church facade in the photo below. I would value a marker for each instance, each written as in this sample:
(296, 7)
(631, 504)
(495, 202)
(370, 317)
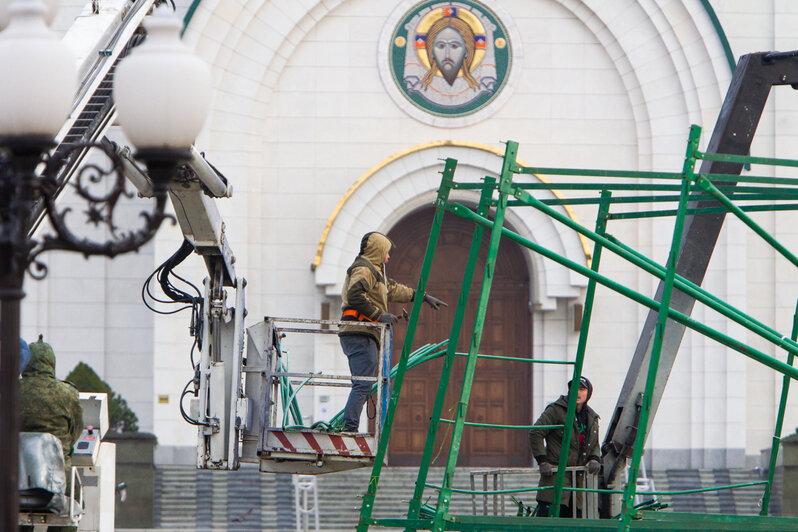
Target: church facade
(331, 119)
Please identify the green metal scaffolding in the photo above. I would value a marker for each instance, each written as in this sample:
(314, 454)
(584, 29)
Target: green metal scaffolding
(717, 193)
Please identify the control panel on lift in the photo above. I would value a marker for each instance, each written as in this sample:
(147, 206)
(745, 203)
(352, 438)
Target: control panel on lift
(95, 424)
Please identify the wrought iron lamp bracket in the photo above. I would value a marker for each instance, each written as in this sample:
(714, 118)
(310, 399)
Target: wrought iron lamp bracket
(100, 183)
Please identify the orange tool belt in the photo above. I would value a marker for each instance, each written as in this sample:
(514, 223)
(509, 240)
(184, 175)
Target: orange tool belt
(352, 314)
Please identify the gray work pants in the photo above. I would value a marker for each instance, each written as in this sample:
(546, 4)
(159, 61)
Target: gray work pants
(362, 352)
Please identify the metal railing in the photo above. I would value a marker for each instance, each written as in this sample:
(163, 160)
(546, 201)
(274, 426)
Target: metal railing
(288, 384)
(306, 502)
(494, 501)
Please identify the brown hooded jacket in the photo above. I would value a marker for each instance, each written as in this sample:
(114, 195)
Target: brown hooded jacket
(367, 290)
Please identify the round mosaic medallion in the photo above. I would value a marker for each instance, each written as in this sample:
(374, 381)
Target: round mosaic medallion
(449, 59)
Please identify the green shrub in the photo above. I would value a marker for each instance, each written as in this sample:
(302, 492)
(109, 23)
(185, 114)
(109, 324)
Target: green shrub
(120, 416)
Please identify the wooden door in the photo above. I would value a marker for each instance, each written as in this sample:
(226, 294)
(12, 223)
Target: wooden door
(502, 391)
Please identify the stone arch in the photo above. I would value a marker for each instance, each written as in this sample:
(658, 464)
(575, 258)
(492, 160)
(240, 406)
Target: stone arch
(249, 46)
(692, 72)
(408, 180)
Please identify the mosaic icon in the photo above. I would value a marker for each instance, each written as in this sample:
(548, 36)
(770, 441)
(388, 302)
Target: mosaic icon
(450, 58)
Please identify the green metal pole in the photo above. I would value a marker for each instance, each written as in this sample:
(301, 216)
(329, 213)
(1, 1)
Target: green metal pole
(601, 226)
(662, 319)
(598, 490)
(484, 204)
(657, 270)
(675, 315)
(707, 185)
(774, 451)
(713, 302)
(505, 180)
(447, 182)
(525, 360)
(746, 159)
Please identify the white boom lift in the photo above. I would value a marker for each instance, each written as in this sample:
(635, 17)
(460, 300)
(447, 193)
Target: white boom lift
(240, 375)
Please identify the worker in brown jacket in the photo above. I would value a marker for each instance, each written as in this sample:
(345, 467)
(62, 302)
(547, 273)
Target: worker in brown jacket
(365, 296)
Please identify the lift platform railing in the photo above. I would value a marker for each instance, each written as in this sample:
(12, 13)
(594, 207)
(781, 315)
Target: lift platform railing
(285, 444)
(496, 503)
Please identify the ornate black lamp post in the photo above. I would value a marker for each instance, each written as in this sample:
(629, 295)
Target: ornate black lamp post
(162, 92)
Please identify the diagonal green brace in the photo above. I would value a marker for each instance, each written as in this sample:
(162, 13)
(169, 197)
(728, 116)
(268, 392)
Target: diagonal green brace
(653, 268)
(704, 183)
(443, 196)
(414, 508)
(646, 301)
(445, 494)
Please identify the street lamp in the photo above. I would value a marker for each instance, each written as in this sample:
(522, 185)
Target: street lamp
(162, 93)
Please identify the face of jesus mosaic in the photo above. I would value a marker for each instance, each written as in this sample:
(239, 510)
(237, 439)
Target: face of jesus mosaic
(449, 58)
(450, 49)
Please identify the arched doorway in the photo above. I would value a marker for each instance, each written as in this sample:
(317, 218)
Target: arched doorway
(502, 391)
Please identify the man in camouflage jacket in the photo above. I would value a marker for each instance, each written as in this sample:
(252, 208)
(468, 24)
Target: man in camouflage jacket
(48, 404)
(364, 298)
(546, 445)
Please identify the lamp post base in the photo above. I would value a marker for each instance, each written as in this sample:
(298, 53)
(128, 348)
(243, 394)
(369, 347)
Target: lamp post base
(10, 297)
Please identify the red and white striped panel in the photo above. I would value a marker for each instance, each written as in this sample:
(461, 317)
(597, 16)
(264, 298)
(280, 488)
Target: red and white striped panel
(320, 443)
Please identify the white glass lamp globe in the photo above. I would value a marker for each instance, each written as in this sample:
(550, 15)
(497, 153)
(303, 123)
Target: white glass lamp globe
(162, 90)
(40, 75)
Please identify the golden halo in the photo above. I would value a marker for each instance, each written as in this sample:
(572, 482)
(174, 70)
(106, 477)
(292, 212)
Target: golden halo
(463, 14)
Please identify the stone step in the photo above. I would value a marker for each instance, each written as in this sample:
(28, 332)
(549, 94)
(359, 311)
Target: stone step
(247, 499)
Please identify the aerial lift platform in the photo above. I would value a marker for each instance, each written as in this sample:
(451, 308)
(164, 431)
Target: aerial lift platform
(284, 448)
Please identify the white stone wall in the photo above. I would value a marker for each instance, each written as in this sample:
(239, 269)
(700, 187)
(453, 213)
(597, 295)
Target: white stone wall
(771, 287)
(90, 310)
(301, 113)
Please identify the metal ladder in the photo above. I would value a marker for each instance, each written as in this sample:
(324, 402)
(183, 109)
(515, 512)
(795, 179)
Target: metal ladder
(93, 110)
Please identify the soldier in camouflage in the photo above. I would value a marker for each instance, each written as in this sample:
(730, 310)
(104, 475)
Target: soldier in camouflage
(48, 404)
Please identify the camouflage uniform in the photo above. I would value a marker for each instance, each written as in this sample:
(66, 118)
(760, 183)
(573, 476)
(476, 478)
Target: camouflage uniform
(48, 404)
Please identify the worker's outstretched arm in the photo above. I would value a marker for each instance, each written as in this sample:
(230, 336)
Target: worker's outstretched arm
(399, 293)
